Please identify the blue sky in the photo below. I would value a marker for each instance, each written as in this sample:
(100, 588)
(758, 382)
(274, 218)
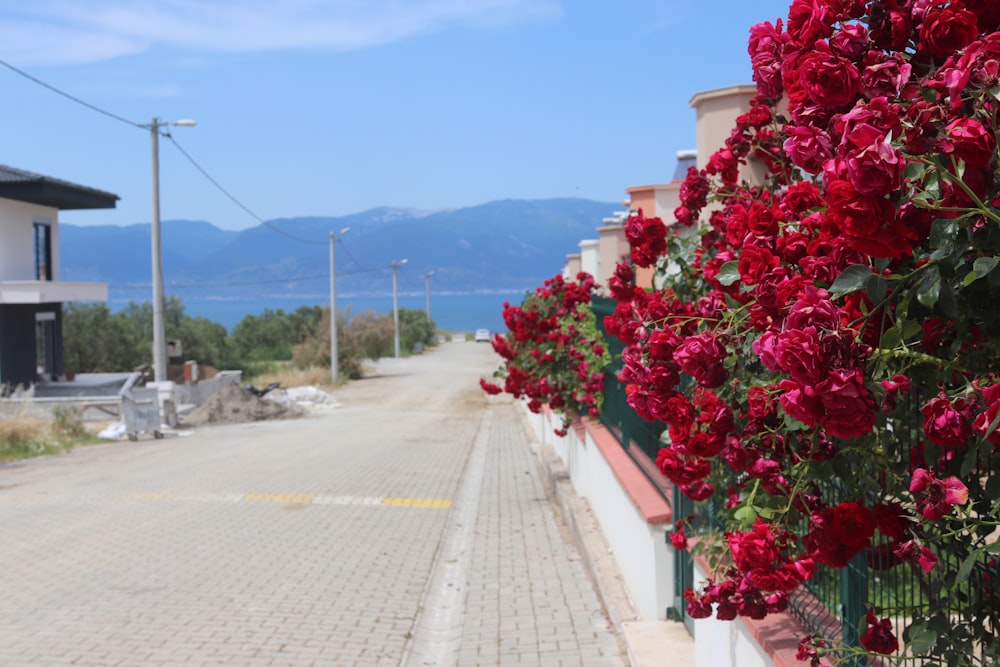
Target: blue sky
(330, 107)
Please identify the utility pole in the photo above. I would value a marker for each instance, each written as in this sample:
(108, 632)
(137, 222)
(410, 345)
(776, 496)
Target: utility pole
(395, 305)
(334, 358)
(159, 329)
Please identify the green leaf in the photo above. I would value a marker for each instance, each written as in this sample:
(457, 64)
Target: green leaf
(993, 489)
(930, 287)
(891, 338)
(983, 265)
(914, 170)
(911, 328)
(993, 548)
(745, 516)
(947, 302)
(920, 639)
(969, 278)
(943, 233)
(729, 273)
(877, 288)
(966, 568)
(970, 460)
(853, 278)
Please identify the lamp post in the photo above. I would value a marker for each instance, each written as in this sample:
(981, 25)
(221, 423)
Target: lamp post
(395, 305)
(334, 359)
(159, 330)
(427, 279)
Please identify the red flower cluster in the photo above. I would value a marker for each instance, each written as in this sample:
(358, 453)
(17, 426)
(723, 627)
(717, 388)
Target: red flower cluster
(834, 316)
(553, 354)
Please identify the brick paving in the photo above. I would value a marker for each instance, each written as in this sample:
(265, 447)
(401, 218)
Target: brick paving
(311, 542)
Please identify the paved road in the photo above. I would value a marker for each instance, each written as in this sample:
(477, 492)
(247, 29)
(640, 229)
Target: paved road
(408, 526)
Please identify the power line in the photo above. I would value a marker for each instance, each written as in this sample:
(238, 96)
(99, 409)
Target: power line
(244, 283)
(361, 268)
(141, 126)
(71, 97)
(234, 199)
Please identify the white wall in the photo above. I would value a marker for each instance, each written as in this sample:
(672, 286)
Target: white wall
(17, 244)
(725, 643)
(640, 549)
(590, 258)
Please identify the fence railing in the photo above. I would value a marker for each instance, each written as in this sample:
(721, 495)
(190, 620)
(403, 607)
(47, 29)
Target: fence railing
(834, 602)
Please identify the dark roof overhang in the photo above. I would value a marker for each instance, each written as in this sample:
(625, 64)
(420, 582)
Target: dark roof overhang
(21, 185)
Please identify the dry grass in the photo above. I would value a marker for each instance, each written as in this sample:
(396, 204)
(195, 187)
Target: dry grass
(289, 376)
(24, 432)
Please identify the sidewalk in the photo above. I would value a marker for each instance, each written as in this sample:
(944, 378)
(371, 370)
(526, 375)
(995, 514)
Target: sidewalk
(542, 586)
(528, 598)
(647, 643)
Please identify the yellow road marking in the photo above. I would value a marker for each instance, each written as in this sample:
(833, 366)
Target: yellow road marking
(425, 503)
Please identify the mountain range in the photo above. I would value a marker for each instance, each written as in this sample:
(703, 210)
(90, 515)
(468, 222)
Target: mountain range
(501, 245)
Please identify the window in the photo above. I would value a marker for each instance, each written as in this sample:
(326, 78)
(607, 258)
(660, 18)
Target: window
(43, 250)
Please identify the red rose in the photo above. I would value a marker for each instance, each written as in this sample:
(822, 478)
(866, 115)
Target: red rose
(677, 537)
(765, 47)
(855, 214)
(829, 80)
(801, 197)
(936, 496)
(884, 75)
(701, 357)
(813, 307)
(984, 420)
(808, 147)
(852, 524)
(800, 402)
(754, 549)
(875, 170)
(755, 262)
(878, 638)
(697, 491)
(978, 67)
(945, 30)
(890, 28)
(799, 353)
(851, 41)
(968, 140)
(701, 444)
(848, 408)
(944, 425)
(837, 534)
(647, 239)
(762, 220)
(809, 20)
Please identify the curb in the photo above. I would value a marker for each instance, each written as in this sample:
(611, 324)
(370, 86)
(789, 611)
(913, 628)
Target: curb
(586, 533)
(644, 643)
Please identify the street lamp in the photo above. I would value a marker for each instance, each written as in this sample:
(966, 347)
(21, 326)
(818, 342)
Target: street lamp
(159, 331)
(395, 305)
(334, 360)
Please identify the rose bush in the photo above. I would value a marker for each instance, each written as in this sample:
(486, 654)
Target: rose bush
(825, 349)
(553, 353)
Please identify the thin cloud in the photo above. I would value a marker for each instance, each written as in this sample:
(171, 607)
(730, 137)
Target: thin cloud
(59, 32)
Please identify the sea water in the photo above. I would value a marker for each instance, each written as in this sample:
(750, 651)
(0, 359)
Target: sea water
(450, 311)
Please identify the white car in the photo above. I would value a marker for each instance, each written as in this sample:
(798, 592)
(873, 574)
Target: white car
(482, 335)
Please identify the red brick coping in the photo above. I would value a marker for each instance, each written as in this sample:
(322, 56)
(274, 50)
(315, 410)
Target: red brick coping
(777, 634)
(644, 495)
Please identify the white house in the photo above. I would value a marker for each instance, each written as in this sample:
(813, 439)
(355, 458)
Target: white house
(31, 292)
